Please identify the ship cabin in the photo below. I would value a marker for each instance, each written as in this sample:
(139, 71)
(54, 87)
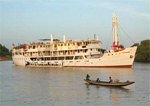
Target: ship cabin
(60, 50)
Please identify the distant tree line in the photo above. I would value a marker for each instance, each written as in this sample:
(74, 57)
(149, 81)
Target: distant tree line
(4, 52)
(143, 51)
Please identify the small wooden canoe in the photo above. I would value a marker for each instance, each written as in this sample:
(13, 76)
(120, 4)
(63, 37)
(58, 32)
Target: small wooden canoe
(114, 84)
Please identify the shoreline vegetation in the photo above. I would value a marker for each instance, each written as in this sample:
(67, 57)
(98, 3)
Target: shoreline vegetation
(5, 58)
(142, 53)
(5, 53)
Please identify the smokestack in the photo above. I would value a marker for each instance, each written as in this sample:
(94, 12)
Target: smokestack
(95, 36)
(51, 38)
(64, 39)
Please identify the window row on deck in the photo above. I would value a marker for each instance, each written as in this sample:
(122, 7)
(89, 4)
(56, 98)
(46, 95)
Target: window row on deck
(56, 53)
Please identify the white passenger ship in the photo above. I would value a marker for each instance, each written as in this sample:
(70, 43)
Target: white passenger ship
(74, 53)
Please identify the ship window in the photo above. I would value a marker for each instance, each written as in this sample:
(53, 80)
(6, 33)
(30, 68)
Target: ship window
(47, 58)
(33, 59)
(78, 57)
(83, 46)
(69, 57)
(53, 58)
(60, 58)
(33, 47)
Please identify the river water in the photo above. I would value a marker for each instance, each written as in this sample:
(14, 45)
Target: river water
(22, 86)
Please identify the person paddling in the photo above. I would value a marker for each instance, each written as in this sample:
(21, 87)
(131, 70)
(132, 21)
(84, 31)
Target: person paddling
(110, 80)
(97, 80)
(87, 77)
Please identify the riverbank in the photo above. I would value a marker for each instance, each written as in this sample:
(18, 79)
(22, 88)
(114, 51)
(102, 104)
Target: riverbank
(5, 58)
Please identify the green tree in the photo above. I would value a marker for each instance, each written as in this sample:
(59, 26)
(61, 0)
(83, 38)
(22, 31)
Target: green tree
(4, 52)
(143, 52)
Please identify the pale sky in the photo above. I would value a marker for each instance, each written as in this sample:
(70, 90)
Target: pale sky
(24, 21)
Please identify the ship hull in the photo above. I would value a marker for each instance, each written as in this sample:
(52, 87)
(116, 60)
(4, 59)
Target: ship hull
(123, 59)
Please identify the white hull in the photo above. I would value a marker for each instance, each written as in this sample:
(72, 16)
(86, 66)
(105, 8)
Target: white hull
(124, 58)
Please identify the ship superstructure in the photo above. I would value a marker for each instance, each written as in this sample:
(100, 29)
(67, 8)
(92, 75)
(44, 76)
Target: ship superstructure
(74, 53)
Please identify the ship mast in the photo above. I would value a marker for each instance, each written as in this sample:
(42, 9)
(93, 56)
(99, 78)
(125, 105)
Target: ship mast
(115, 32)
